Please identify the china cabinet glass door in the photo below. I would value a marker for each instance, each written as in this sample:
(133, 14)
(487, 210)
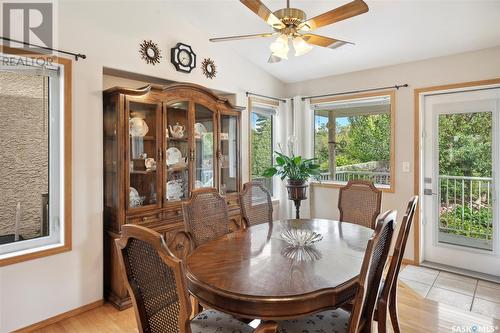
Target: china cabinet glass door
(142, 120)
(228, 159)
(177, 151)
(204, 153)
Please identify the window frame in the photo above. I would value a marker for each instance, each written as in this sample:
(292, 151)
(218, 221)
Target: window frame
(392, 95)
(65, 241)
(271, 105)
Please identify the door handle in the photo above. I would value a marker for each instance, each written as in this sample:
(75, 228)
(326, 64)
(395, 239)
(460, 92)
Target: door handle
(428, 191)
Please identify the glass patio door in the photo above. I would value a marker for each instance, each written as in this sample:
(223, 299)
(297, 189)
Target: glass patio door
(460, 159)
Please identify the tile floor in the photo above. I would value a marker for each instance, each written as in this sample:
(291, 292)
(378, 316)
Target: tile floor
(467, 293)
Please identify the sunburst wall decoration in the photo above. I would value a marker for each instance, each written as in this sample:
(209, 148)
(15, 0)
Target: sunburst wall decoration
(209, 68)
(150, 52)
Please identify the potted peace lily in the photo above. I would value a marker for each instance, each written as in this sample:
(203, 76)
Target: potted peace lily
(297, 171)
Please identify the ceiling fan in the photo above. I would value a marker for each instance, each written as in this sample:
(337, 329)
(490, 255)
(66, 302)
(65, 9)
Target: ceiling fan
(290, 23)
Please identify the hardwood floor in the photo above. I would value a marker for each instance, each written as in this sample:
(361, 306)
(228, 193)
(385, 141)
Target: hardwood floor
(416, 314)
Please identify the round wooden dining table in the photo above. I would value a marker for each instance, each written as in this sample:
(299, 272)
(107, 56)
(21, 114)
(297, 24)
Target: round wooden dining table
(254, 273)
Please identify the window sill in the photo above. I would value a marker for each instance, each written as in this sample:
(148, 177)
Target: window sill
(329, 184)
(35, 253)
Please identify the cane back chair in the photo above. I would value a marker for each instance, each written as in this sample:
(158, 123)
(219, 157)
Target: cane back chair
(205, 216)
(256, 205)
(359, 202)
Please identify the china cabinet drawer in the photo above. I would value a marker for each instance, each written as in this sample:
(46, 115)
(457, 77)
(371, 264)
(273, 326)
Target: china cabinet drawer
(145, 219)
(173, 214)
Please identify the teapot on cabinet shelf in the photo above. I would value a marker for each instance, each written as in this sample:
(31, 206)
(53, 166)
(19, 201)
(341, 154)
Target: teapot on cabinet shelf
(177, 131)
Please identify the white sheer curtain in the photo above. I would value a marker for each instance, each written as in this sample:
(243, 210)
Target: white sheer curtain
(284, 128)
(303, 133)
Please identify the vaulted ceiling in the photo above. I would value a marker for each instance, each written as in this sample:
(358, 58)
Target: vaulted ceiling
(391, 32)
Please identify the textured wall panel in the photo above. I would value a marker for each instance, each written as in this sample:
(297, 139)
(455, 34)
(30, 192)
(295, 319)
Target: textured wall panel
(23, 151)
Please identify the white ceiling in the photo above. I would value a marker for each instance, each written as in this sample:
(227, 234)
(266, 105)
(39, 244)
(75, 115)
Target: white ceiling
(391, 32)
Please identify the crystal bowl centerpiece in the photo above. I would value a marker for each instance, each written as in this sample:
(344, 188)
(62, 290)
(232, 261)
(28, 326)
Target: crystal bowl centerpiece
(300, 237)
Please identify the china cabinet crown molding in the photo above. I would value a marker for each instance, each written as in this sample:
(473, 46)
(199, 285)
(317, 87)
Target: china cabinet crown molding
(153, 197)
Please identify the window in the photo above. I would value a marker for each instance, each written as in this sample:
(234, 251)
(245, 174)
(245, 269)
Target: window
(35, 173)
(354, 138)
(262, 117)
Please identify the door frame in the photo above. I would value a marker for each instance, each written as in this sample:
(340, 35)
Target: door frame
(418, 95)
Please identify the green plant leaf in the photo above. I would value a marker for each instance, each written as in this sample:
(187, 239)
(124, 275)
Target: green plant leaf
(268, 173)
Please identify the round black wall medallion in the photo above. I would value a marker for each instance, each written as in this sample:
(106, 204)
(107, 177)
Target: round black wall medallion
(183, 58)
(150, 52)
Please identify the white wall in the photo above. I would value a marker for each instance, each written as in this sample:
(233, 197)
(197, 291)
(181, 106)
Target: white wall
(109, 33)
(465, 67)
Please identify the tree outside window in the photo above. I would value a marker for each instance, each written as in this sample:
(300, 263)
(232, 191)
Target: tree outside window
(262, 145)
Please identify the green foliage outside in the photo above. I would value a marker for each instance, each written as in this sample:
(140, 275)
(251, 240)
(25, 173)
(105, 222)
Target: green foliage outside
(363, 139)
(465, 150)
(476, 223)
(262, 146)
(465, 144)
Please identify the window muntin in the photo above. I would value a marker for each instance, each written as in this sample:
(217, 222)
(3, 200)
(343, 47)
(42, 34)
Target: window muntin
(262, 134)
(354, 139)
(33, 177)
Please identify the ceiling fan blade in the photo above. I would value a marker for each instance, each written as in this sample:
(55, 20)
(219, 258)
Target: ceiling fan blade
(324, 41)
(264, 13)
(229, 38)
(346, 11)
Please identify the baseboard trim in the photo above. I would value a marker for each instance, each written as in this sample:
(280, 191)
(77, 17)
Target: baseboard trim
(408, 262)
(60, 317)
(405, 261)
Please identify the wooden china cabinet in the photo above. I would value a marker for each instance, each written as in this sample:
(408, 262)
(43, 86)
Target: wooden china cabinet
(161, 142)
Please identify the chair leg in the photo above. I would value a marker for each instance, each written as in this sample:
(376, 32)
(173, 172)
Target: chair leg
(381, 318)
(393, 310)
(196, 306)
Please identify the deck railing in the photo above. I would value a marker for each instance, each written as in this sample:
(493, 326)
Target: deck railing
(466, 206)
(381, 178)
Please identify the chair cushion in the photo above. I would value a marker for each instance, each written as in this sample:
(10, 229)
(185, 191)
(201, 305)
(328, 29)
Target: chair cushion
(212, 321)
(331, 321)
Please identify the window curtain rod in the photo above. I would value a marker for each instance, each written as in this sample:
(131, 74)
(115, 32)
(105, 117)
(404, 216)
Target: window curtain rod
(76, 55)
(357, 91)
(268, 97)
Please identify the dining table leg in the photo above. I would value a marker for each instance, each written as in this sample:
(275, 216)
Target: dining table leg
(267, 327)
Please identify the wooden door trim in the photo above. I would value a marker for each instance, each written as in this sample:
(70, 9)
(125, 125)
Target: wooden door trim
(416, 147)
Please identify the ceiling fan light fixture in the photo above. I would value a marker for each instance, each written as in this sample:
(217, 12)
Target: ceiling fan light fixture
(301, 46)
(280, 48)
(273, 59)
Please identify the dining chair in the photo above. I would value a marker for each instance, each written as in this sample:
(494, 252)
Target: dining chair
(155, 280)
(360, 319)
(387, 300)
(205, 216)
(359, 202)
(256, 205)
